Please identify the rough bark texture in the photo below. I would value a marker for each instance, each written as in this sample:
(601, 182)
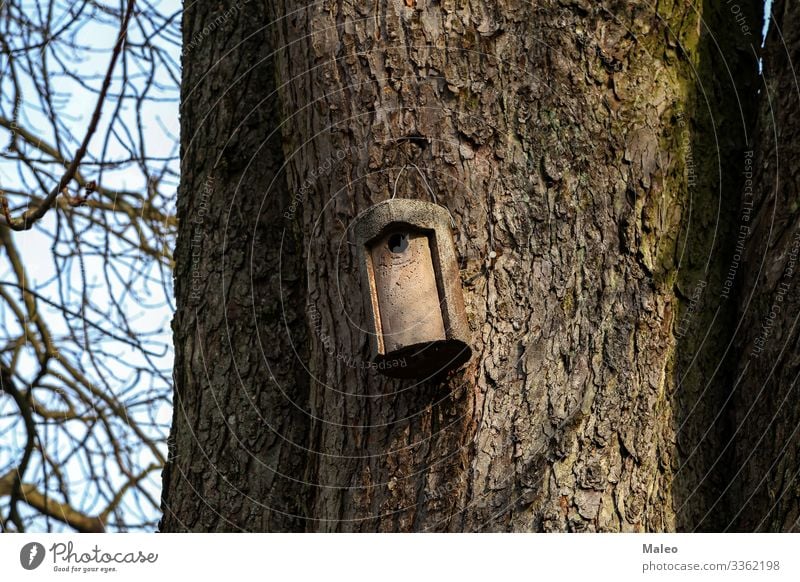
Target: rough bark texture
(238, 426)
(555, 134)
(546, 131)
(764, 486)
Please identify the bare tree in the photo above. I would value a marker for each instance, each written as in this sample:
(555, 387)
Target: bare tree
(87, 177)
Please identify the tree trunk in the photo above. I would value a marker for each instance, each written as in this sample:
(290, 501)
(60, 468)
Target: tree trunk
(556, 135)
(239, 395)
(764, 485)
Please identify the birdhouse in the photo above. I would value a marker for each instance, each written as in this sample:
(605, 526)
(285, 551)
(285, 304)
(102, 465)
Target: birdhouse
(416, 320)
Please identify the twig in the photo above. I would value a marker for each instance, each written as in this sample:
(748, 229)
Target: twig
(30, 217)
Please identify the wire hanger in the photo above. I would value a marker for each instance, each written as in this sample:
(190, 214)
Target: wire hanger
(427, 186)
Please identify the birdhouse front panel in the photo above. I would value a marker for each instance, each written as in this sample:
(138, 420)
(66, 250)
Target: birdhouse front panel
(409, 307)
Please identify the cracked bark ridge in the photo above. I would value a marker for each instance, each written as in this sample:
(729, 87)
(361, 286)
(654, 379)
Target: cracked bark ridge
(238, 426)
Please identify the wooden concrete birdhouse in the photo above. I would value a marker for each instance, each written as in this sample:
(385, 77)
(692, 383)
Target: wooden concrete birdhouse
(416, 320)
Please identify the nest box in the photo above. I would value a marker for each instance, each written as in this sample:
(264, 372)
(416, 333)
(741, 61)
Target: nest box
(416, 320)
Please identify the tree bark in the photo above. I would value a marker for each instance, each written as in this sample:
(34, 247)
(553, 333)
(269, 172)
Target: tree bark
(555, 133)
(763, 487)
(239, 395)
